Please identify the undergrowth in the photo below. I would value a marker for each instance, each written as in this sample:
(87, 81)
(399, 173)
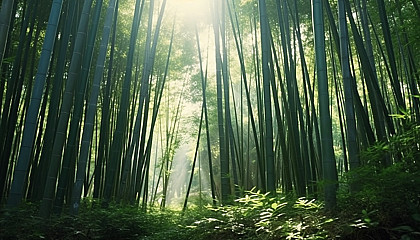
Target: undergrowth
(369, 214)
(255, 216)
(261, 216)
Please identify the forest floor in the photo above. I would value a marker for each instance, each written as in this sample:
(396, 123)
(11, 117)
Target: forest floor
(255, 216)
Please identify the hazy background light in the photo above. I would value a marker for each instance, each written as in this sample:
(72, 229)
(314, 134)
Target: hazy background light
(190, 11)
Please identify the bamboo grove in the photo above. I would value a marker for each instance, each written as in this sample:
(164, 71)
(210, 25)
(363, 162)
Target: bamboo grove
(98, 97)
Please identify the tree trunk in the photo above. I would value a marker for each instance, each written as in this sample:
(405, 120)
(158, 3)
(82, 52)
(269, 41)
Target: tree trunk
(328, 159)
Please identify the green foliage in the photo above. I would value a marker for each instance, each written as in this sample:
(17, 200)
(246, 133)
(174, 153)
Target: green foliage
(393, 190)
(386, 200)
(262, 216)
(115, 222)
(403, 148)
(255, 216)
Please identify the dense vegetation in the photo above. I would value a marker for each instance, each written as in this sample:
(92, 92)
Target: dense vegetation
(211, 119)
(386, 206)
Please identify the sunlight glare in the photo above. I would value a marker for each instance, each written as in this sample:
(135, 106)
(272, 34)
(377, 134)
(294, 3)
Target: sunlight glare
(190, 11)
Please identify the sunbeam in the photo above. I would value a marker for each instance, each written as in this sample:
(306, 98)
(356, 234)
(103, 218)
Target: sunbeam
(190, 11)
